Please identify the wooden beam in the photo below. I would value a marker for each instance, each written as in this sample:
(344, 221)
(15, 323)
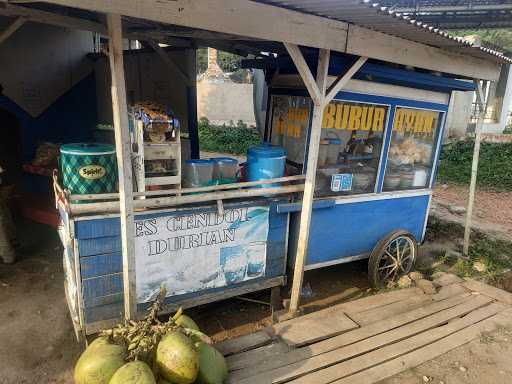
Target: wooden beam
(43, 17)
(474, 166)
(13, 27)
(365, 42)
(238, 17)
(309, 187)
(124, 165)
(342, 80)
(168, 61)
(305, 72)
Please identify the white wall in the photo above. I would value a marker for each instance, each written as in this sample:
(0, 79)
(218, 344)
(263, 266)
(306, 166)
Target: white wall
(459, 114)
(39, 63)
(225, 101)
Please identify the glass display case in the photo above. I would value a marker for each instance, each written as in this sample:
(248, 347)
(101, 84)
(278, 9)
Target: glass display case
(350, 147)
(411, 150)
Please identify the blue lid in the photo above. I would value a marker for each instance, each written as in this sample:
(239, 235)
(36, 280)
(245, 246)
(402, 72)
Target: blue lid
(200, 162)
(228, 160)
(87, 149)
(334, 141)
(266, 150)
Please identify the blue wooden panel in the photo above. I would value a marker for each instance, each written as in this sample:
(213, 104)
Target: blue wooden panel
(98, 287)
(104, 312)
(98, 246)
(91, 229)
(354, 228)
(100, 265)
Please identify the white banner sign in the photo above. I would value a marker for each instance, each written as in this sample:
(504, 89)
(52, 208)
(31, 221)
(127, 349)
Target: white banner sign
(192, 251)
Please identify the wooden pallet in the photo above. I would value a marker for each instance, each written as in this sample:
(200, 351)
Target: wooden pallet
(370, 339)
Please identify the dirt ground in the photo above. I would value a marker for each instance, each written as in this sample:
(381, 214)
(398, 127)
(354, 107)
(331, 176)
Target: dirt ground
(38, 344)
(492, 212)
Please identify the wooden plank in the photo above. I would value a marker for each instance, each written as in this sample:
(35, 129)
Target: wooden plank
(379, 300)
(124, 164)
(311, 166)
(254, 356)
(11, 28)
(449, 291)
(348, 338)
(164, 192)
(313, 327)
(243, 343)
(43, 17)
(329, 359)
(429, 352)
(171, 201)
(238, 17)
(305, 73)
(342, 80)
(393, 309)
(365, 42)
(485, 289)
(346, 368)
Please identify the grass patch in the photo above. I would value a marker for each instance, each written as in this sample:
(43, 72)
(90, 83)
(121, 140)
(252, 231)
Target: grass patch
(489, 258)
(231, 138)
(493, 168)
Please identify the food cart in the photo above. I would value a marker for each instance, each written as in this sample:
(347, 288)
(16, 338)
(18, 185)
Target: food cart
(378, 155)
(376, 137)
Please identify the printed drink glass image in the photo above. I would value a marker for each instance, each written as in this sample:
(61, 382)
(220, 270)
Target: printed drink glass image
(255, 258)
(233, 262)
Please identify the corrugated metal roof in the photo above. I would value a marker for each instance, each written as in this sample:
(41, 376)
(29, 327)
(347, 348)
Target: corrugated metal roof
(372, 15)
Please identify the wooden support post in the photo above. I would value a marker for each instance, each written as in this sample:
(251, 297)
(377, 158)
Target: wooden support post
(474, 167)
(123, 144)
(309, 187)
(321, 97)
(13, 27)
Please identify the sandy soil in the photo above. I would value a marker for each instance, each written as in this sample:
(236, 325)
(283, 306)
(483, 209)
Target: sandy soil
(492, 211)
(38, 344)
(482, 361)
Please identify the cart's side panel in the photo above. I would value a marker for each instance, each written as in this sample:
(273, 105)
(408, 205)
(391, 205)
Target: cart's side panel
(349, 229)
(101, 267)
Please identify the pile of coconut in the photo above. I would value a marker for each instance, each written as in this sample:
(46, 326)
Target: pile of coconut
(151, 352)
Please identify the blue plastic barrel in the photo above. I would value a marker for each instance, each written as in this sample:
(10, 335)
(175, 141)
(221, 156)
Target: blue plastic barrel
(265, 162)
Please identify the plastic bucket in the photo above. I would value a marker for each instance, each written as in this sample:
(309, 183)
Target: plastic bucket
(198, 173)
(225, 170)
(265, 162)
(88, 168)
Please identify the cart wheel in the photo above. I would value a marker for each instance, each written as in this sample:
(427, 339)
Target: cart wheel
(392, 257)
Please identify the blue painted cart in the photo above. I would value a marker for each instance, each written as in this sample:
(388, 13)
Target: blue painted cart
(377, 162)
(200, 254)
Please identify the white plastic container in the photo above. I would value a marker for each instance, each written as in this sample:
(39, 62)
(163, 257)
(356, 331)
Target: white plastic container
(333, 151)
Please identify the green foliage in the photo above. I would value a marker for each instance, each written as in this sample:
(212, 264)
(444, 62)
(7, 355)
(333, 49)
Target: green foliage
(499, 37)
(493, 168)
(228, 62)
(235, 139)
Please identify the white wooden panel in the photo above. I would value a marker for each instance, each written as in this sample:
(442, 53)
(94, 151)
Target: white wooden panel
(238, 17)
(364, 42)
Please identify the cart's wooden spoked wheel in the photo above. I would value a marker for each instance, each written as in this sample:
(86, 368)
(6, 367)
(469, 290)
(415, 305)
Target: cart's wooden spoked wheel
(394, 256)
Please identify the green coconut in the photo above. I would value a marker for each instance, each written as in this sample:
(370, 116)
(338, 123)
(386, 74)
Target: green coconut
(99, 362)
(187, 322)
(135, 372)
(177, 358)
(162, 381)
(212, 365)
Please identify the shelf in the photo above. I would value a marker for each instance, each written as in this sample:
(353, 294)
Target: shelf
(164, 180)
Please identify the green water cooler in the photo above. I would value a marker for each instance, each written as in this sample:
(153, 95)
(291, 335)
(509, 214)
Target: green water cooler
(89, 168)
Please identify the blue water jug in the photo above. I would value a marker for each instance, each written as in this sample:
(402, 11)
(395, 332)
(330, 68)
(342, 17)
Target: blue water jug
(264, 162)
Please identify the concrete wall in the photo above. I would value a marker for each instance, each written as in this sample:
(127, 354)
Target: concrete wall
(147, 78)
(39, 63)
(225, 101)
(459, 114)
